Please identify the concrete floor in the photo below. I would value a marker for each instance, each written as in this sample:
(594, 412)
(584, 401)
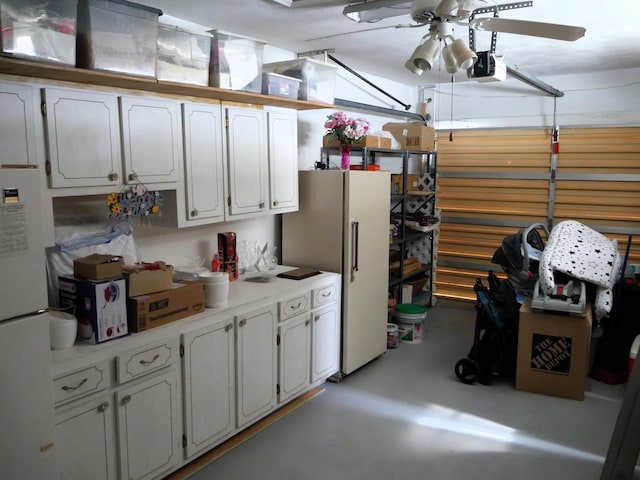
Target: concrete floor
(407, 416)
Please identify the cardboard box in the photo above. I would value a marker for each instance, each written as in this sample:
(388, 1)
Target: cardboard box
(553, 352)
(366, 141)
(141, 282)
(412, 136)
(182, 300)
(100, 307)
(413, 183)
(98, 266)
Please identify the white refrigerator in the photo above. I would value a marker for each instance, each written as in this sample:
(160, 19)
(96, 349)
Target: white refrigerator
(342, 226)
(26, 395)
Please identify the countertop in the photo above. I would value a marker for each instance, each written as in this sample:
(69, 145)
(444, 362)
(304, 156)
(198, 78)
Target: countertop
(244, 296)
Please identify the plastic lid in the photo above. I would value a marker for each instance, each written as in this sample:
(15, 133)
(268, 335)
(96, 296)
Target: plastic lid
(411, 309)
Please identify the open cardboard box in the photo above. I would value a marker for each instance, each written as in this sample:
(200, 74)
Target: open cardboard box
(412, 135)
(98, 266)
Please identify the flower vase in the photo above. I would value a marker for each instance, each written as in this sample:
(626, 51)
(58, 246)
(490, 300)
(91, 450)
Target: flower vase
(345, 160)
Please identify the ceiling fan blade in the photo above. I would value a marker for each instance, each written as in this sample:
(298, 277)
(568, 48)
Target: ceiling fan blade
(523, 27)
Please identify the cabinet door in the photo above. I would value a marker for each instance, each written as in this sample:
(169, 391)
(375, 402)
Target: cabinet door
(83, 138)
(204, 172)
(325, 348)
(256, 367)
(209, 385)
(247, 161)
(17, 125)
(85, 442)
(283, 160)
(150, 139)
(294, 356)
(148, 438)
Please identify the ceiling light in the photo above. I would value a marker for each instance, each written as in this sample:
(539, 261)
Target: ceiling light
(450, 62)
(463, 55)
(424, 55)
(409, 65)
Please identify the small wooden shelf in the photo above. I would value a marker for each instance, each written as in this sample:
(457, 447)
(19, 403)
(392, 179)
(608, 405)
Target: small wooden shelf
(48, 71)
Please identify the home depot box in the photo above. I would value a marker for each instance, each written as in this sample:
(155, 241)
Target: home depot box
(98, 266)
(100, 306)
(553, 352)
(366, 141)
(412, 136)
(148, 278)
(183, 299)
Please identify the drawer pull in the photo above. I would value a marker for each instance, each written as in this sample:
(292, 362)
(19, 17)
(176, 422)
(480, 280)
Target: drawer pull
(296, 307)
(326, 295)
(149, 362)
(126, 399)
(228, 327)
(243, 322)
(68, 388)
(103, 406)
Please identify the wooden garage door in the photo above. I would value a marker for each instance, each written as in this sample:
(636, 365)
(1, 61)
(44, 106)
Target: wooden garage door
(494, 182)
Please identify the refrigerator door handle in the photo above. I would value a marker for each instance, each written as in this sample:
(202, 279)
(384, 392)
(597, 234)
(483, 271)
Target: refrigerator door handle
(355, 235)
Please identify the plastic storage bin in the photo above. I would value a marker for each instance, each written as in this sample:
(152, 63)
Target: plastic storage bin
(278, 85)
(318, 78)
(118, 36)
(183, 56)
(236, 62)
(39, 30)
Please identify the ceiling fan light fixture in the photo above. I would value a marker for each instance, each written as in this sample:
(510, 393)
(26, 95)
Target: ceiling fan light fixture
(450, 62)
(462, 54)
(409, 65)
(425, 54)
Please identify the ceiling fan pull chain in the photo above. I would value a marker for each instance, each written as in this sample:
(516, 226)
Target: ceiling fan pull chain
(451, 113)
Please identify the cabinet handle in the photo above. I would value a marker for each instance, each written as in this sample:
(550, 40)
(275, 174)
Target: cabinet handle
(133, 176)
(243, 322)
(126, 399)
(228, 327)
(194, 213)
(316, 318)
(67, 388)
(275, 203)
(103, 406)
(113, 177)
(306, 324)
(261, 205)
(149, 362)
(296, 307)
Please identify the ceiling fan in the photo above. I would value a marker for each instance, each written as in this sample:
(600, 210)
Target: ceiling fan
(440, 17)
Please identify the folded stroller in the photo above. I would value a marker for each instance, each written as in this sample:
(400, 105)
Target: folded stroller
(495, 341)
(519, 257)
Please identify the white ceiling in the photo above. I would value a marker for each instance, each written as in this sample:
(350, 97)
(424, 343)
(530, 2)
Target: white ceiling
(612, 40)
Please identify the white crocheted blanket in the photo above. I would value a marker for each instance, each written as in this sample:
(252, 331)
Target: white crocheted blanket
(583, 253)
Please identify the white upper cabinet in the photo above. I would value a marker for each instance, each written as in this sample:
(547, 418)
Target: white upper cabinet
(83, 138)
(204, 163)
(283, 160)
(247, 162)
(150, 139)
(17, 125)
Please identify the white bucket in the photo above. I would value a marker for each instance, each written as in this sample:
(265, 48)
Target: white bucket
(216, 288)
(410, 319)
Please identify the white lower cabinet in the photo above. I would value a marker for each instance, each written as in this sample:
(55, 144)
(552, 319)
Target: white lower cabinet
(209, 385)
(139, 408)
(256, 367)
(325, 335)
(85, 440)
(148, 437)
(294, 358)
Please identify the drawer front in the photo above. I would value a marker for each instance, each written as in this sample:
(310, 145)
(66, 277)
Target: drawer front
(324, 295)
(295, 306)
(141, 361)
(83, 382)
